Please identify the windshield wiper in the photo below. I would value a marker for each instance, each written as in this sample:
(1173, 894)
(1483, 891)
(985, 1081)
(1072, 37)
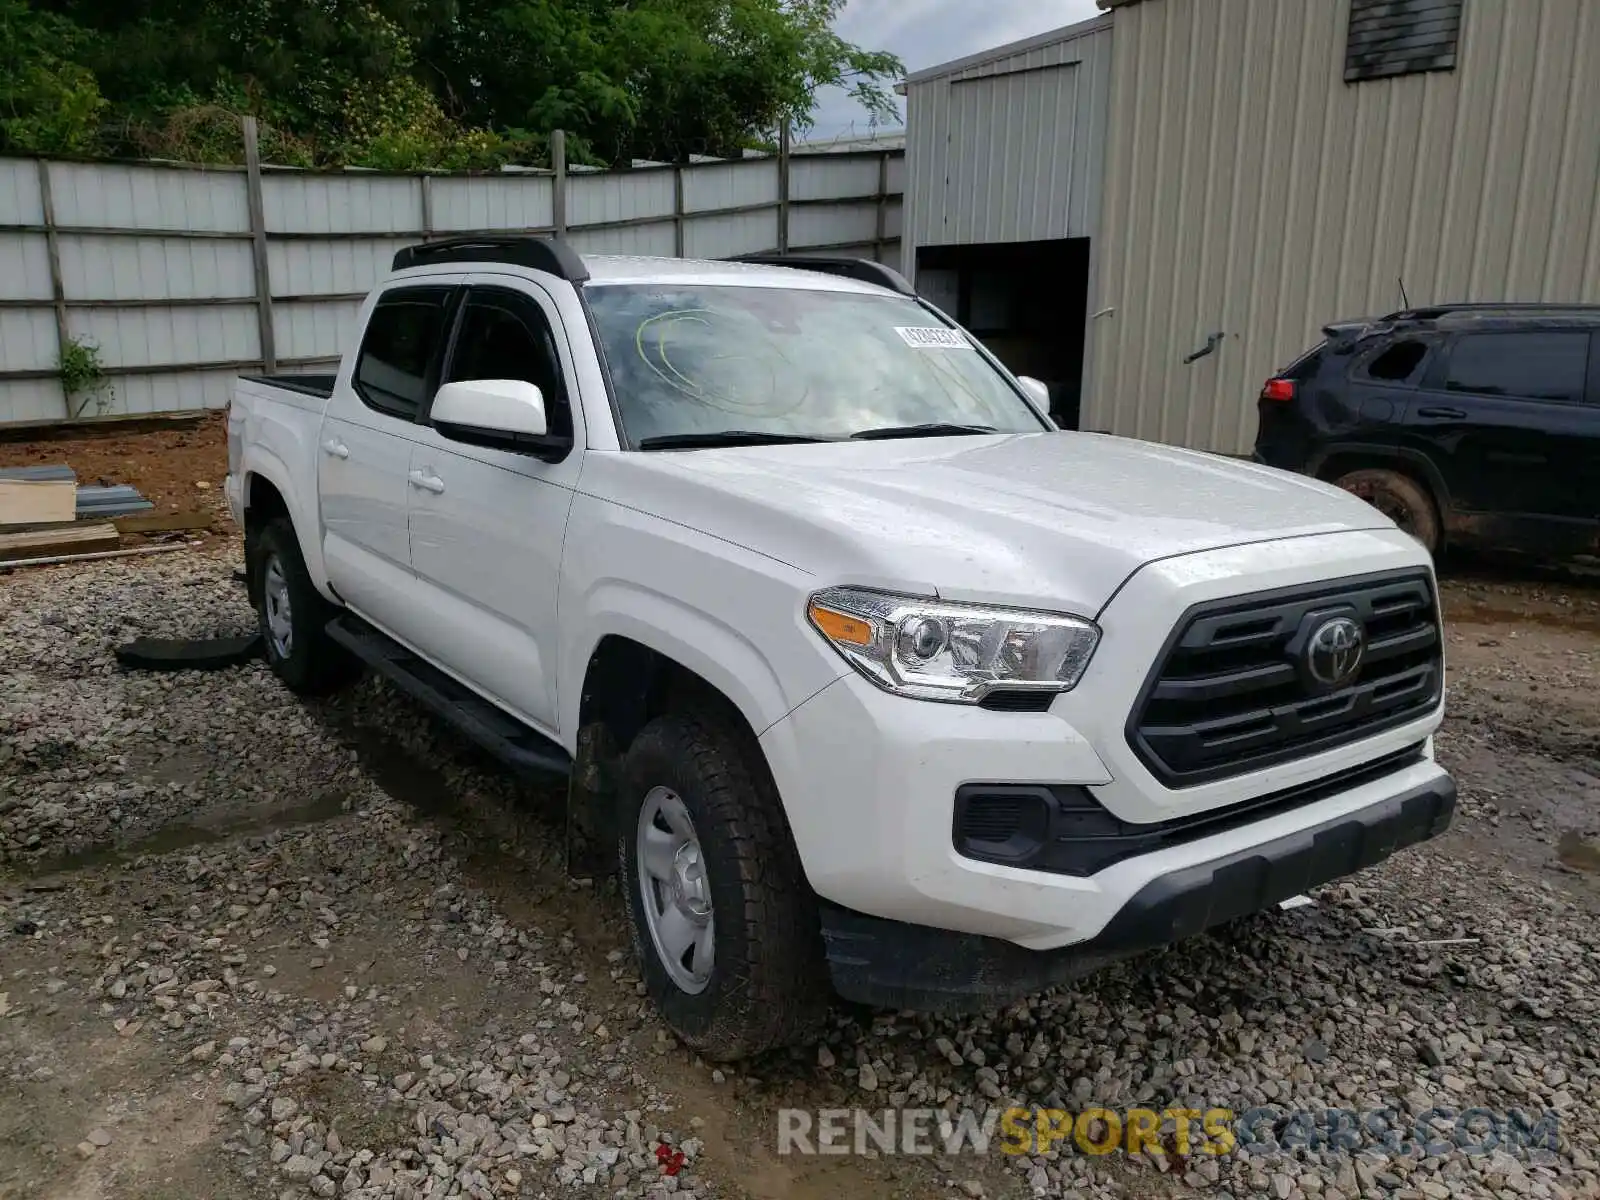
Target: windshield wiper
(937, 429)
(723, 437)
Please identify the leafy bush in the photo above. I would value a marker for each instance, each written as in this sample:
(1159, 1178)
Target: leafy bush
(83, 377)
(421, 84)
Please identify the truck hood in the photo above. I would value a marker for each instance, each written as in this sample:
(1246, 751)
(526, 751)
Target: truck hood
(1054, 520)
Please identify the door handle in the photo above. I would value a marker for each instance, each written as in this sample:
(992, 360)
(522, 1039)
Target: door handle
(1210, 347)
(335, 448)
(426, 482)
(1448, 414)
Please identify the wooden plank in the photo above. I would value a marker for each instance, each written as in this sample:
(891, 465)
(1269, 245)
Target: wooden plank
(677, 210)
(558, 193)
(27, 501)
(258, 247)
(783, 187)
(164, 522)
(51, 560)
(63, 539)
(52, 245)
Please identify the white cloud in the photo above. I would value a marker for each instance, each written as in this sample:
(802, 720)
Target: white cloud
(925, 33)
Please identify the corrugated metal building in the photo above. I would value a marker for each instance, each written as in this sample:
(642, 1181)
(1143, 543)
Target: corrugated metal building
(1272, 165)
(1004, 164)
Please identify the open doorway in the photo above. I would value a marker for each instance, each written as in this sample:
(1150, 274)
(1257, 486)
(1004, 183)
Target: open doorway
(1028, 302)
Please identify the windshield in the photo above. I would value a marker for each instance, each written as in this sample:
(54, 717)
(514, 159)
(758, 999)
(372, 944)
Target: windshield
(791, 363)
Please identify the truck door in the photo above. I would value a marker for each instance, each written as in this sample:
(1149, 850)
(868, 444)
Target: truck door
(365, 451)
(487, 525)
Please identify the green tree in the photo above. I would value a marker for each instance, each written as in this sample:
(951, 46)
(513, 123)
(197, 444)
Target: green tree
(406, 84)
(49, 103)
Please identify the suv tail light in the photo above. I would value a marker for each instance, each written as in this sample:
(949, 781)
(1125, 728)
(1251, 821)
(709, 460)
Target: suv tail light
(1278, 389)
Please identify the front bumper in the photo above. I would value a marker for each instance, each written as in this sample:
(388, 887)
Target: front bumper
(896, 965)
(869, 779)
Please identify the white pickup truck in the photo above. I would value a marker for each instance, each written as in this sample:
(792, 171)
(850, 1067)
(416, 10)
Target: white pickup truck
(872, 675)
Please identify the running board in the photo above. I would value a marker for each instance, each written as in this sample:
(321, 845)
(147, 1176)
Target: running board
(496, 731)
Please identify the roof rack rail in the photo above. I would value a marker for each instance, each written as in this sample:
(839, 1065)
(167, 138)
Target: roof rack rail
(523, 250)
(1428, 312)
(863, 270)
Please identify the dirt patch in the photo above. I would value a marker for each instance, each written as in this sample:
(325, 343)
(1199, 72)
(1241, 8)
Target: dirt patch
(179, 466)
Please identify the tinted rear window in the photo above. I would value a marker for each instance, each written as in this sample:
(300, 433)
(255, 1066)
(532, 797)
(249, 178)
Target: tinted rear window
(1306, 365)
(402, 337)
(1397, 361)
(1530, 366)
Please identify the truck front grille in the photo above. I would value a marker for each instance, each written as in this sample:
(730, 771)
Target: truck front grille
(1236, 688)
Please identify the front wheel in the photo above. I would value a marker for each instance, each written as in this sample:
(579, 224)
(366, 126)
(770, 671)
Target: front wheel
(724, 924)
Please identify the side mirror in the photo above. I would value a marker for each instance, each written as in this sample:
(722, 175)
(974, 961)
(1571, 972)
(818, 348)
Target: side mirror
(504, 406)
(502, 414)
(1037, 391)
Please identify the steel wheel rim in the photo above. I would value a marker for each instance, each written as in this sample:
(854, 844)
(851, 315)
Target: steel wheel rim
(280, 614)
(675, 891)
(1391, 506)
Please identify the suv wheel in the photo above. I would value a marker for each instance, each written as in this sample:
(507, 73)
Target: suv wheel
(724, 923)
(293, 615)
(1400, 498)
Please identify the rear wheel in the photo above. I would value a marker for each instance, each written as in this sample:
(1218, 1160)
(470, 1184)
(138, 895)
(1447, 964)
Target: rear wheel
(724, 923)
(1400, 498)
(293, 615)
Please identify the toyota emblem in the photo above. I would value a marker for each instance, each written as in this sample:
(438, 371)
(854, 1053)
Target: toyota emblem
(1334, 653)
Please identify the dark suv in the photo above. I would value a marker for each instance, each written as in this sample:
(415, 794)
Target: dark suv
(1469, 424)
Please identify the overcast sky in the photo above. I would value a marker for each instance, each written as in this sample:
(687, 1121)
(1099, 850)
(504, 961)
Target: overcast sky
(925, 33)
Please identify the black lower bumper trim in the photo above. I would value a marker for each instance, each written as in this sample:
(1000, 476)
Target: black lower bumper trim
(890, 964)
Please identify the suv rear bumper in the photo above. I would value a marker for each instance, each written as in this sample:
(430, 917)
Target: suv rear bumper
(897, 965)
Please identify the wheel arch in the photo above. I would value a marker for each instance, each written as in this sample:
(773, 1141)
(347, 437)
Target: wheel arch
(266, 493)
(1340, 458)
(632, 675)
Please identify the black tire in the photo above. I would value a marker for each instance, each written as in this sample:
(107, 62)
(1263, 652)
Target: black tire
(1400, 498)
(314, 664)
(768, 985)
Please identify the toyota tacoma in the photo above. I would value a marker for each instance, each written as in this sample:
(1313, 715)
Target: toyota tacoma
(874, 679)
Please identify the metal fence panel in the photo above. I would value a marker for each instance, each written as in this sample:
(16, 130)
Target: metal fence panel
(831, 176)
(318, 329)
(735, 233)
(31, 400)
(602, 198)
(330, 266)
(514, 202)
(111, 267)
(20, 203)
(24, 267)
(730, 185)
(117, 195)
(144, 337)
(655, 239)
(163, 270)
(833, 225)
(28, 338)
(187, 391)
(294, 202)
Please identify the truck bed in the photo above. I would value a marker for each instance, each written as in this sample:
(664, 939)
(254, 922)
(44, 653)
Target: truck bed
(320, 386)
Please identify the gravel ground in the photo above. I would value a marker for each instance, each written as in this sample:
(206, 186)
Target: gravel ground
(251, 947)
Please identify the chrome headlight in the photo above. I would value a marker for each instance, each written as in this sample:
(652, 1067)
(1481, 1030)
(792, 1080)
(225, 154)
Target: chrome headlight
(930, 650)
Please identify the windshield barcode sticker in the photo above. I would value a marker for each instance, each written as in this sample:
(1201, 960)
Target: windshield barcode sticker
(934, 337)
